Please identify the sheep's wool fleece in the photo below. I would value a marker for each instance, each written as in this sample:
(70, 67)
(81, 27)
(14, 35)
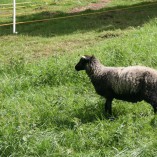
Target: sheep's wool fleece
(123, 79)
(129, 79)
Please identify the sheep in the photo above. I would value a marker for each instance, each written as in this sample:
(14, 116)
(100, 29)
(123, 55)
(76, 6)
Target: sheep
(132, 84)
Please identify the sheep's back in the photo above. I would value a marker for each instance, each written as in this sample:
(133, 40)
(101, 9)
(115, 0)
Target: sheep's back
(132, 79)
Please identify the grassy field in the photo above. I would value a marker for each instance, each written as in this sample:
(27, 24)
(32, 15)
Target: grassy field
(47, 108)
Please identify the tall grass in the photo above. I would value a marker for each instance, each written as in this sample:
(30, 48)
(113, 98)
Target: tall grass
(48, 109)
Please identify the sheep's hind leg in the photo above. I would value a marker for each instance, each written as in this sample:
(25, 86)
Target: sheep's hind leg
(153, 101)
(154, 105)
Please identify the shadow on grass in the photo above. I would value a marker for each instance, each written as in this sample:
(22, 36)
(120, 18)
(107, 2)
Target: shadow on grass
(130, 16)
(83, 115)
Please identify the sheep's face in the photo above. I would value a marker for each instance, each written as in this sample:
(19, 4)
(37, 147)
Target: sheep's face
(81, 65)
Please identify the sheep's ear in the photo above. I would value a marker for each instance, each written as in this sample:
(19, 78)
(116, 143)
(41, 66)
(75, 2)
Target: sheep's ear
(87, 58)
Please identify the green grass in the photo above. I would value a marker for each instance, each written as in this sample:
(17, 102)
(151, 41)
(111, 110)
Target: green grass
(48, 109)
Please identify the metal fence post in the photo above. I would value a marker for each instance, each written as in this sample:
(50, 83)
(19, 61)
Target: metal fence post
(14, 17)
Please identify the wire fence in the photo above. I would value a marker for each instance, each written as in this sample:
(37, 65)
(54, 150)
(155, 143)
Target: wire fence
(16, 3)
(19, 6)
(6, 9)
(31, 4)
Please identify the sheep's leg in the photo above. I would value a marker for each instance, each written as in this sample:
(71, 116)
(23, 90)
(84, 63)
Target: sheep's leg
(154, 105)
(153, 101)
(108, 106)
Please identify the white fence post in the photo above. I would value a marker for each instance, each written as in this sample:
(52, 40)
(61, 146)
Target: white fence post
(14, 17)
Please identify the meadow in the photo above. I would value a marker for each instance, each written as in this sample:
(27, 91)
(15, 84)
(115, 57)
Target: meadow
(47, 109)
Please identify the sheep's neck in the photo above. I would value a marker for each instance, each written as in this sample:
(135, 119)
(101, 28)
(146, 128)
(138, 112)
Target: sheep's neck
(94, 69)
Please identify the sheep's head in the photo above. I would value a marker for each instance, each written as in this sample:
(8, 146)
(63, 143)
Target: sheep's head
(81, 65)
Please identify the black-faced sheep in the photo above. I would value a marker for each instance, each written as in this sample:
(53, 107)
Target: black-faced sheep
(132, 84)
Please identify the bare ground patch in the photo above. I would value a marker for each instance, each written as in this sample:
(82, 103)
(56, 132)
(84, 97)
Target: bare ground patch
(91, 6)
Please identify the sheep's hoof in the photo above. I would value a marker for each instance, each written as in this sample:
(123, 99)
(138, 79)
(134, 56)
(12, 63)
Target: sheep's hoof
(111, 118)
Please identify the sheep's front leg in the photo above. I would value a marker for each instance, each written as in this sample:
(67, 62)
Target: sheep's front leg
(108, 106)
